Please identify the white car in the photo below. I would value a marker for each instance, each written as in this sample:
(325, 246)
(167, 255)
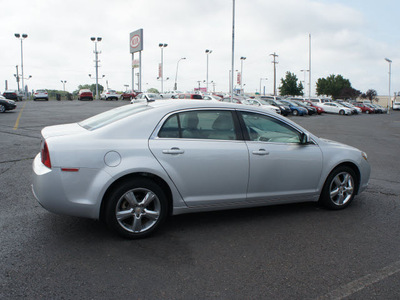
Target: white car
(396, 105)
(40, 94)
(262, 103)
(336, 108)
(109, 95)
(147, 97)
(135, 165)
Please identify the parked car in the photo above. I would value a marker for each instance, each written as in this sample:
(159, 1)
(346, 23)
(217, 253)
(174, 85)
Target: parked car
(296, 109)
(396, 105)
(109, 95)
(235, 99)
(364, 107)
(175, 157)
(336, 108)
(40, 95)
(85, 94)
(12, 95)
(285, 110)
(189, 96)
(6, 104)
(310, 110)
(147, 97)
(263, 104)
(211, 97)
(356, 110)
(319, 109)
(129, 95)
(377, 108)
(319, 101)
(171, 94)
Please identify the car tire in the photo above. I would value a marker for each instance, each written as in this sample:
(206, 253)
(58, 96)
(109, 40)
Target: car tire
(367, 111)
(341, 112)
(339, 189)
(295, 113)
(136, 208)
(2, 108)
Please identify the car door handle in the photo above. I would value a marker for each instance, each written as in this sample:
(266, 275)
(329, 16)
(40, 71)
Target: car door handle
(173, 151)
(261, 152)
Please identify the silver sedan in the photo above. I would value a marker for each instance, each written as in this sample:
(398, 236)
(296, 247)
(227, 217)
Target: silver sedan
(135, 165)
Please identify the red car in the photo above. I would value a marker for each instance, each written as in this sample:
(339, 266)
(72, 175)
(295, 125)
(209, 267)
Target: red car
(85, 94)
(129, 95)
(189, 96)
(364, 108)
(320, 110)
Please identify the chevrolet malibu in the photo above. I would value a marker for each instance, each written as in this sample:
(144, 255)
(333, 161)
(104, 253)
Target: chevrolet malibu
(135, 165)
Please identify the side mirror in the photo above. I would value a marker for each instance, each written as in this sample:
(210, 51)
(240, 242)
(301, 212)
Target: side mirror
(304, 138)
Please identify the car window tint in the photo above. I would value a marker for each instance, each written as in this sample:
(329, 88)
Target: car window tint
(200, 125)
(267, 129)
(208, 125)
(170, 129)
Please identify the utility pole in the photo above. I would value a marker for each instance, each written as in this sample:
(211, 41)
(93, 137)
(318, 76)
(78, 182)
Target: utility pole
(17, 78)
(274, 62)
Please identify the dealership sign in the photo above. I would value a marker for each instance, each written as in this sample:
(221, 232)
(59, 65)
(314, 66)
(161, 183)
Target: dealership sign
(136, 41)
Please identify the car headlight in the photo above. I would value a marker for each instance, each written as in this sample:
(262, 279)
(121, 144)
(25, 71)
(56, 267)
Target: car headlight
(364, 155)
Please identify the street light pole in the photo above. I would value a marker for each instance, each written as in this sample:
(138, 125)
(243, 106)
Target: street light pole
(64, 82)
(260, 84)
(207, 53)
(241, 74)
(162, 46)
(233, 48)
(305, 71)
(390, 75)
(176, 75)
(96, 40)
(22, 37)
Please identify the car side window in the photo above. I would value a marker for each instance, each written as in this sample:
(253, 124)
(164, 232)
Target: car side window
(215, 125)
(170, 128)
(267, 129)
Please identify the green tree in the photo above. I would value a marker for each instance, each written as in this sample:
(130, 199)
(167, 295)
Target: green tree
(332, 85)
(91, 87)
(289, 86)
(153, 90)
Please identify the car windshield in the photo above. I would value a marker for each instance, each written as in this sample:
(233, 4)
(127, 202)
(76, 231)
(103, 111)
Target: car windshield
(112, 116)
(264, 102)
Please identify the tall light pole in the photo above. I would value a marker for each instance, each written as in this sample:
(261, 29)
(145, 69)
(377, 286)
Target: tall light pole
(390, 75)
(309, 66)
(305, 71)
(241, 74)
(176, 75)
(162, 46)
(260, 84)
(22, 37)
(208, 52)
(96, 40)
(274, 62)
(64, 82)
(233, 48)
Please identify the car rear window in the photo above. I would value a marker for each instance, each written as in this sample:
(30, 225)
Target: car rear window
(112, 116)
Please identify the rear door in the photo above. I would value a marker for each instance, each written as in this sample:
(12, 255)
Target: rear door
(203, 153)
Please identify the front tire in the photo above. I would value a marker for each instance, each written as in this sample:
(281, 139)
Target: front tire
(339, 189)
(136, 208)
(295, 113)
(2, 108)
(341, 112)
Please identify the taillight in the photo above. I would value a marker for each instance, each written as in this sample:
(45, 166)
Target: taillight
(45, 155)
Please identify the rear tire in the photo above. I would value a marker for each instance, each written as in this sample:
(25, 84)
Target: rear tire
(2, 108)
(136, 208)
(339, 189)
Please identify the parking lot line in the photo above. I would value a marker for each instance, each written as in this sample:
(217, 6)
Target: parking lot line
(19, 116)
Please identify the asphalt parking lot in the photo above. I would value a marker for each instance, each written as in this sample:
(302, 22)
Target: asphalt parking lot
(296, 251)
